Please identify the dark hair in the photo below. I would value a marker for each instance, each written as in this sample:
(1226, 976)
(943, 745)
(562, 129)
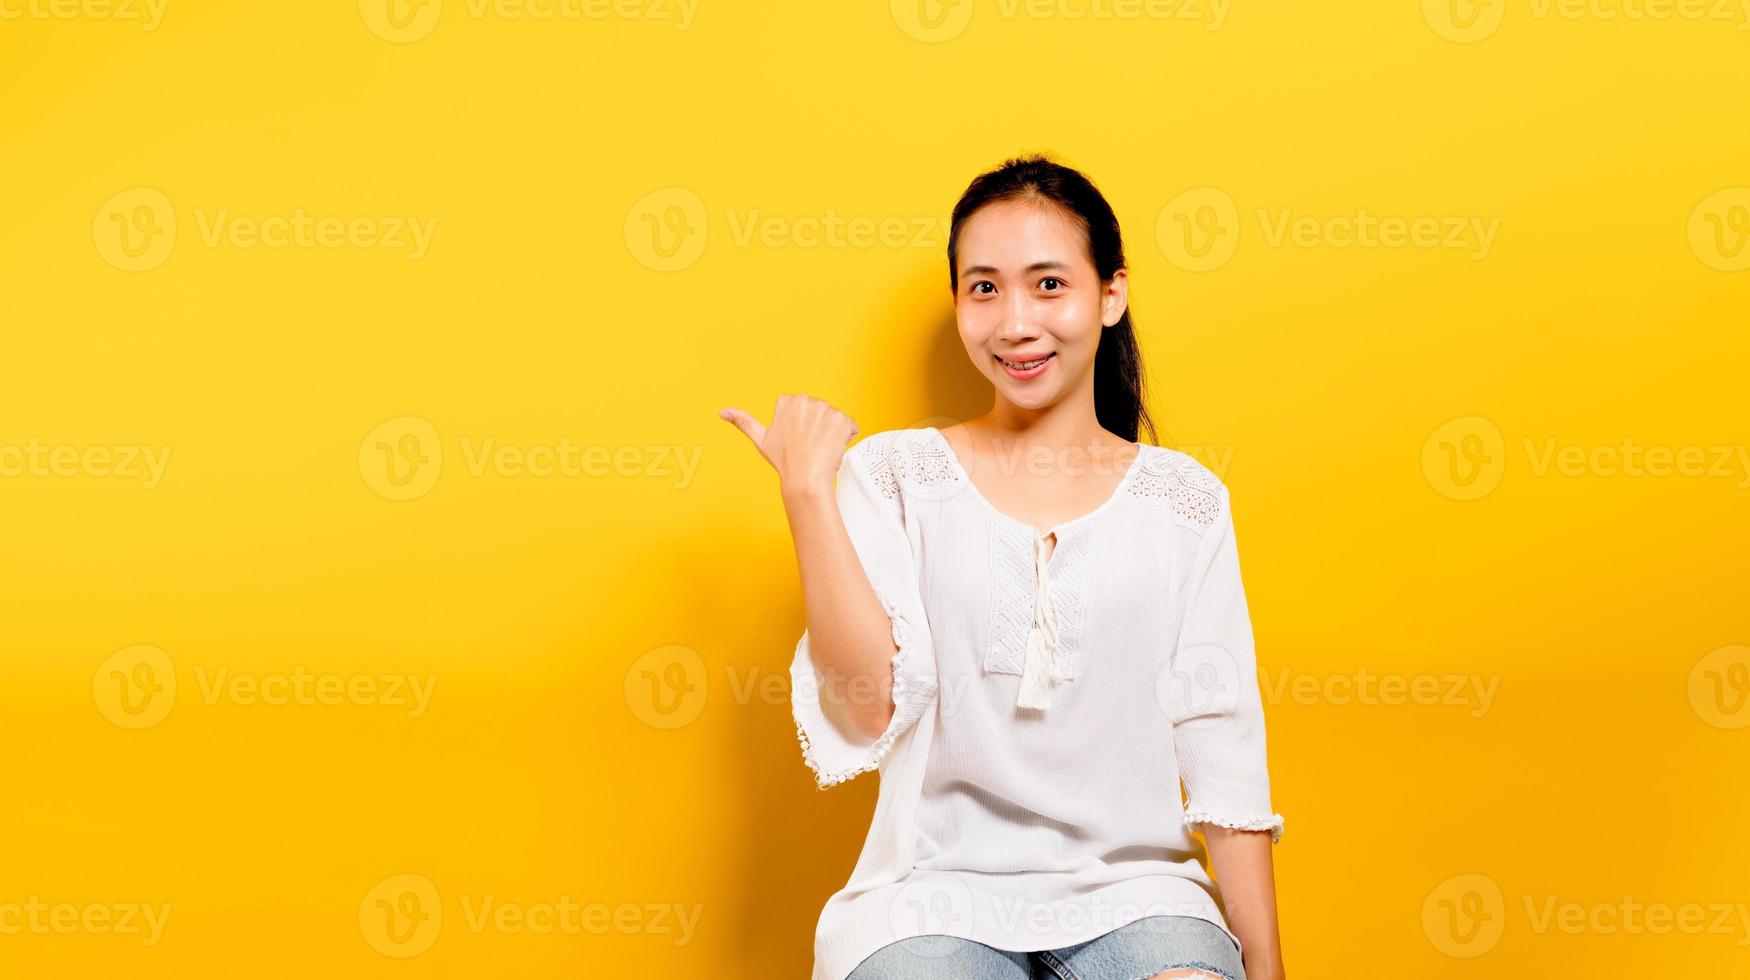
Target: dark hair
(1118, 397)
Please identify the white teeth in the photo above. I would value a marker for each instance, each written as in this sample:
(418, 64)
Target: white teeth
(1028, 366)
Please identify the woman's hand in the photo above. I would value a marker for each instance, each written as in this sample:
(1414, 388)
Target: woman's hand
(851, 637)
(804, 443)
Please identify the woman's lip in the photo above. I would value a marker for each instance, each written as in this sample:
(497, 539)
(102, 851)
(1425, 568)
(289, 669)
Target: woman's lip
(1028, 374)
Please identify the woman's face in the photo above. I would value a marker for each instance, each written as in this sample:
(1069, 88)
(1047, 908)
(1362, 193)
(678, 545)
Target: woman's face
(1028, 290)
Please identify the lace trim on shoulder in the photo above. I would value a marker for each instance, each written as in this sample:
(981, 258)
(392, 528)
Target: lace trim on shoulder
(905, 690)
(1273, 823)
(924, 464)
(908, 458)
(1168, 477)
(875, 453)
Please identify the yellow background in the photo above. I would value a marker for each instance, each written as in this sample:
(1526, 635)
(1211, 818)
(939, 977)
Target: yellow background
(560, 303)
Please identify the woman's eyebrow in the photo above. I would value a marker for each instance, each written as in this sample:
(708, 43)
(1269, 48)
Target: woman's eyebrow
(972, 270)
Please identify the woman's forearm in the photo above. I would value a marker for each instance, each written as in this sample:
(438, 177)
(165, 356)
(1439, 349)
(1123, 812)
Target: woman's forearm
(849, 634)
(1243, 869)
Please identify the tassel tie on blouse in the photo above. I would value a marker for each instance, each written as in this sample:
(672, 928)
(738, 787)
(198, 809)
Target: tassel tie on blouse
(1041, 673)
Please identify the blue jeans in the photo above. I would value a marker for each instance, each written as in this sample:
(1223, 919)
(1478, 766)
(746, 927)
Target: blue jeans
(1134, 951)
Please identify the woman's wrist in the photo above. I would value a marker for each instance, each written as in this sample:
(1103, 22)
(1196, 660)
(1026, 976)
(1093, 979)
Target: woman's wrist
(804, 493)
(1263, 966)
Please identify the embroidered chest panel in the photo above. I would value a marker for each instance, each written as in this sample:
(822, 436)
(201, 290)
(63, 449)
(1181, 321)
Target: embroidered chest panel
(918, 463)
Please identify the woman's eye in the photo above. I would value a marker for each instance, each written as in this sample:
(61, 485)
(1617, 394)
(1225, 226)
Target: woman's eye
(976, 285)
(1047, 279)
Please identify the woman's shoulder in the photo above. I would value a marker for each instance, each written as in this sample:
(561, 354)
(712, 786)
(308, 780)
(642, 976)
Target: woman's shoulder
(1176, 479)
(916, 459)
(882, 445)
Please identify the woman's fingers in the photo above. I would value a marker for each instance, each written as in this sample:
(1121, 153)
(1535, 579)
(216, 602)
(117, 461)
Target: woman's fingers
(806, 437)
(748, 425)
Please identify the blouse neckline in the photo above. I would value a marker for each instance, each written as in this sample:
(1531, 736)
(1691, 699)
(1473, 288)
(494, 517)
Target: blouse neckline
(1117, 492)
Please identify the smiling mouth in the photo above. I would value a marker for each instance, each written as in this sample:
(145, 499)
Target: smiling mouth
(1025, 365)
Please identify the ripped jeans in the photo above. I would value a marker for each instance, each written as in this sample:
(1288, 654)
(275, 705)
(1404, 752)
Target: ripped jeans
(1134, 951)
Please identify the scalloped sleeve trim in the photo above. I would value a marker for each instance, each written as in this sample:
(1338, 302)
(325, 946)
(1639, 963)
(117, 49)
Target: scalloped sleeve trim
(1273, 823)
(831, 747)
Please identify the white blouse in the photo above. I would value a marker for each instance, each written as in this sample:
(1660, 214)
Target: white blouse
(1025, 827)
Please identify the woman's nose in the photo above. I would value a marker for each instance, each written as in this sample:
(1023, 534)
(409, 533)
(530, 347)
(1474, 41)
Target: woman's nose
(1017, 321)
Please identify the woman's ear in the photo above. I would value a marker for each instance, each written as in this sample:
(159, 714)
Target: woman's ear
(1116, 299)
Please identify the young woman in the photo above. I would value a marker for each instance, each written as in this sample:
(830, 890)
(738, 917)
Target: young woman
(1034, 627)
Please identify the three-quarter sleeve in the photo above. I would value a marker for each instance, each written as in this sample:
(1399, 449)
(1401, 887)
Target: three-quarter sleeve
(869, 499)
(1218, 715)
